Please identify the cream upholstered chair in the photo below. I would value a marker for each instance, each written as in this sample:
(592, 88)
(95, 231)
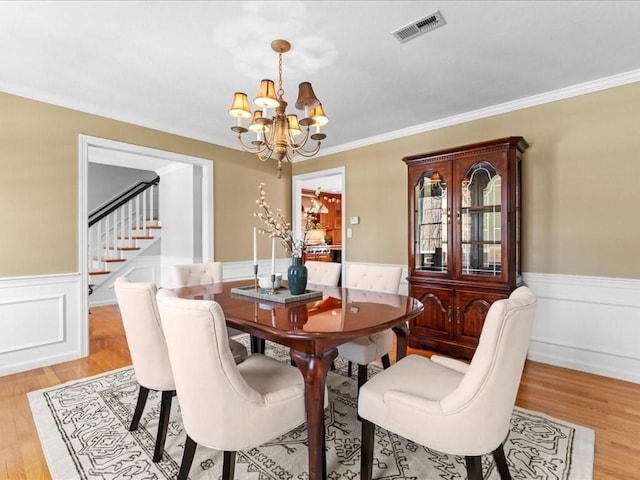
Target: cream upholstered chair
(148, 350)
(451, 406)
(201, 274)
(364, 350)
(225, 406)
(323, 273)
(196, 274)
(139, 312)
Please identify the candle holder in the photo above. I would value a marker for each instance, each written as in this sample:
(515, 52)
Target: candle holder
(255, 277)
(273, 284)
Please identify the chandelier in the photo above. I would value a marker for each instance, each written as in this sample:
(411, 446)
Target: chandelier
(279, 135)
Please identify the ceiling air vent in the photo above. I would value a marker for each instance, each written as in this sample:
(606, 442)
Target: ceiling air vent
(417, 28)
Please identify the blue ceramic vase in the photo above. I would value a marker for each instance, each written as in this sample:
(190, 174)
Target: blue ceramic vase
(297, 277)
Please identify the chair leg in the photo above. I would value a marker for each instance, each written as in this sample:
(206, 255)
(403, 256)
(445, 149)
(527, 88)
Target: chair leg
(366, 450)
(143, 393)
(501, 462)
(386, 361)
(163, 423)
(187, 458)
(228, 465)
(474, 467)
(349, 369)
(362, 375)
(258, 345)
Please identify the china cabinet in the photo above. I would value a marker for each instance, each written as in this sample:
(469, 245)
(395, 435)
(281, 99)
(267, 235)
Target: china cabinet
(464, 239)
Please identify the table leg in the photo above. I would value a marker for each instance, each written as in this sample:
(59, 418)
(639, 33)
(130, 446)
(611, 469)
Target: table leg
(401, 340)
(314, 369)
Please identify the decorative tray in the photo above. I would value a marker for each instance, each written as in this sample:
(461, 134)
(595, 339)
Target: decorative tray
(281, 295)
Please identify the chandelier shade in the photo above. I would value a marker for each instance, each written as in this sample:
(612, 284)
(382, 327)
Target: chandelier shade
(266, 95)
(319, 117)
(306, 97)
(279, 134)
(240, 106)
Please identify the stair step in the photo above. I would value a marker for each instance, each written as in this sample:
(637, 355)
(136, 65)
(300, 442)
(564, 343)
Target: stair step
(111, 260)
(137, 237)
(124, 248)
(99, 272)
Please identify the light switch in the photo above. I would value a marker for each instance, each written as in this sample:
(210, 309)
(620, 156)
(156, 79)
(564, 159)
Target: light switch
(349, 232)
(355, 220)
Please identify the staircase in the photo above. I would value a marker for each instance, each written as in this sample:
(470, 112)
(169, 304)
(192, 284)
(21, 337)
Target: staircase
(122, 229)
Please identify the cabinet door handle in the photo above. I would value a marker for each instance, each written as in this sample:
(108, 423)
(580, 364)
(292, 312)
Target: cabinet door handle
(449, 313)
(458, 315)
(448, 215)
(458, 214)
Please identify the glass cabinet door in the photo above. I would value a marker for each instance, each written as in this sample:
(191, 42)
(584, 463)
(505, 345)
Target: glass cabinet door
(481, 221)
(431, 221)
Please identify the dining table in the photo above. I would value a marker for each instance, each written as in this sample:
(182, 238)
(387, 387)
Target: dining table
(312, 329)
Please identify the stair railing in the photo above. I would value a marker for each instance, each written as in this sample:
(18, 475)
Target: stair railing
(112, 224)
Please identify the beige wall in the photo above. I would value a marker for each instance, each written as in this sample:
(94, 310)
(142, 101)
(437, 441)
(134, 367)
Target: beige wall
(581, 184)
(39, 185)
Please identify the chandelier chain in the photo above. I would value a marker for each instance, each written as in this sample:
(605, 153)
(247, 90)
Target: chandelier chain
(280, 89)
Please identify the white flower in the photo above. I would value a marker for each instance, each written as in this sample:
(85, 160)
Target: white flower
(277, 226)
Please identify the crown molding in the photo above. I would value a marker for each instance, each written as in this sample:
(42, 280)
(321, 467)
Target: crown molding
(532, 101)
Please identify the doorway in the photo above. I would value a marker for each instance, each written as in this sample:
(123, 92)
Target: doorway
(100, 150)
(332, 179)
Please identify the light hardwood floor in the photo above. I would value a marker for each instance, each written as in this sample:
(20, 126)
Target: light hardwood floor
(610, 407)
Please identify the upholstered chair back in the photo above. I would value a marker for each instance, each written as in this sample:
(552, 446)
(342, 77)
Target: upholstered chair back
(476, 414)
(323, 273)
(196, 274)
(377, 278)
(219, 408)
(369, 296)
(489, 388)
(147, 346)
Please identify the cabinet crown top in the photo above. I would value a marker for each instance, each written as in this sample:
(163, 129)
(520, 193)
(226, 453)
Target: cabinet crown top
(474, 148)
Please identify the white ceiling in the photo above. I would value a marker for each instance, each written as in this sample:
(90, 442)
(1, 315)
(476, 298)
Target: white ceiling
(174, 66)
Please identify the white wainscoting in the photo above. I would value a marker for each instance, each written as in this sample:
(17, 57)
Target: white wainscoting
(590, 324)
(144, 268)
(41, 322)
(244, 270)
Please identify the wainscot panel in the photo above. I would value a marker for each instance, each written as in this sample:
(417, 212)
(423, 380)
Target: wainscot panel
(41, 322)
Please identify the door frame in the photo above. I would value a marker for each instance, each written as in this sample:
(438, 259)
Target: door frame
(87, 145)
(296, 203)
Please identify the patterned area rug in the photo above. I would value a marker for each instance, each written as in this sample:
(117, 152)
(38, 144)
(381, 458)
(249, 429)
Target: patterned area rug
(83, 430)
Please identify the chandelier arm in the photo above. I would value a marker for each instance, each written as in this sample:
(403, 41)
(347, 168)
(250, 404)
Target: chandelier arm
(292, 141)
(309, 153)
(258, 150)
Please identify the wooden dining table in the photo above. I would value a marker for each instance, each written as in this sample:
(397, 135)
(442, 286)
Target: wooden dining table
(312, 329)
